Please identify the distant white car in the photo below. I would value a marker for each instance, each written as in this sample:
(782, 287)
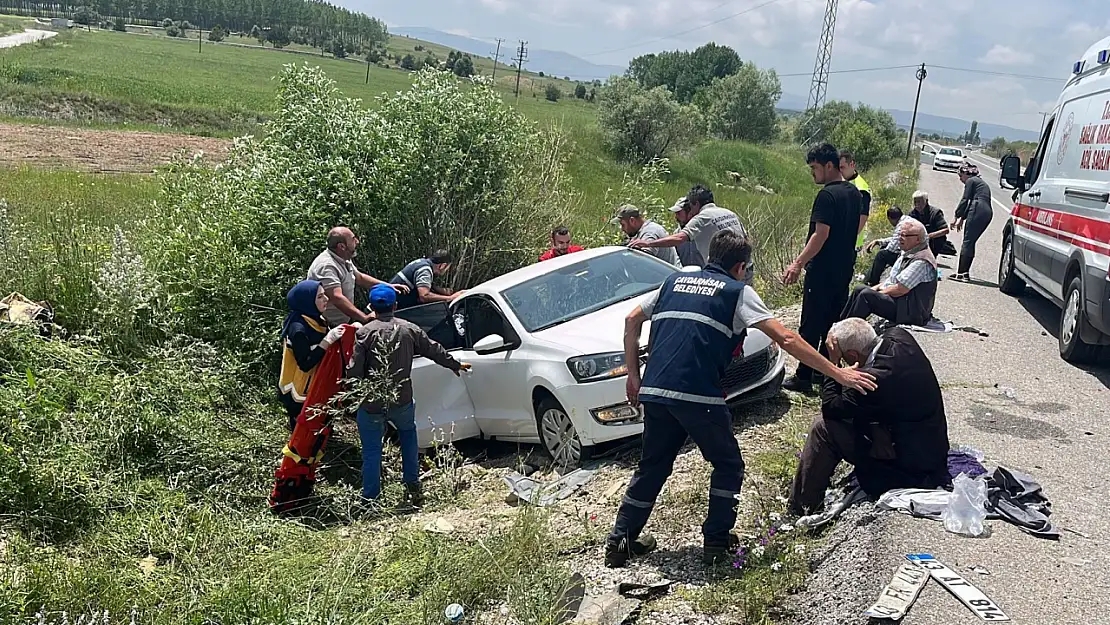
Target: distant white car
(949, 158)
(546, 342)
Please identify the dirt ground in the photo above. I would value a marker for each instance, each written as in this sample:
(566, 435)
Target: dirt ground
(86, 149)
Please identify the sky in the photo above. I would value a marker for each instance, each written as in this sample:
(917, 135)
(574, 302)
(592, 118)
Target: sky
(1026, 37)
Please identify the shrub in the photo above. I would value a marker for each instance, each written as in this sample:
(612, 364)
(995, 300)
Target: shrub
(174, 31)
(447, 164)
(217, 34)
(185, 25)
(167, 22)
(580, 91)
(126, 296)
(278, 36)
(86, 15)
(641, 125)
(871, 134)
(552, 93)
(463, 67)
(742, 106)
(408, 62)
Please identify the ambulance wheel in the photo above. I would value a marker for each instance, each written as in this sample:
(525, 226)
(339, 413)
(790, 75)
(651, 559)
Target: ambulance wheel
(1072, 320)
(1008, 282)
(558, 435)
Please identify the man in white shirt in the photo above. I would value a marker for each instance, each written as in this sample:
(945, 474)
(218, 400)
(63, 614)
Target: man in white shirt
(636, 228)
(703, 220)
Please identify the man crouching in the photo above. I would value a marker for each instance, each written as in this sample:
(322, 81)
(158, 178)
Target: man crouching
(895, 436)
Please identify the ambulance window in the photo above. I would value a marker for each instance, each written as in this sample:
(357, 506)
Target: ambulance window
(1034, 168)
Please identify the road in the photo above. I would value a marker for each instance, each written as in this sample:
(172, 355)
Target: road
(29, 35)
(1055, 426)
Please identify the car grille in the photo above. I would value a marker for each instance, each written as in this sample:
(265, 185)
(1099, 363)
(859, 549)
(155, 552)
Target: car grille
(743, 372)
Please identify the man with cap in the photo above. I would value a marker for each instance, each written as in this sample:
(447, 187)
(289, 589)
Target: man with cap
(688, 254)
(703, 219)
(417, 276)
(398, 342)
(698, 321)
(637, 228)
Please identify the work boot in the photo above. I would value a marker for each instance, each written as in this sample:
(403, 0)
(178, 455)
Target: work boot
(414, 494)
(617, 554)
(720, 552)
(798, 385)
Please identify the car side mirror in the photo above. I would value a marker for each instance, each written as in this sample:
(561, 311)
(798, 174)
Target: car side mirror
(1011, 171)
(490, 344)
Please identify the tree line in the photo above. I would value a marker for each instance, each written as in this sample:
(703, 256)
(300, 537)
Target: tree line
(307, 22)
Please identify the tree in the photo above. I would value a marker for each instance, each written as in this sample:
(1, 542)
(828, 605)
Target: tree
(684, 73)
(871, 134)
(278, 36)
(464, 66)
(218, 33)
(407, 62)
(580, 91)
(552, 93)
(742, 106)
(375, 54)
(337, 48)
(642, 124)
(541, 75)
(119, 25)
(256, 33)
(167, 22)
(972, 136)
(86, 16)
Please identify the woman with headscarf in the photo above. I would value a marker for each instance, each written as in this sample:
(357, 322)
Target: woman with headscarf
(973, 215)
(304, 338)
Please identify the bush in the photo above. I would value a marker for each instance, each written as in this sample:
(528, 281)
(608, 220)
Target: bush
(217, 34)
(463, 67)
(552, 93)
(869, 133)
(119, 25)
(580, 91)
(641, 125)
(174, 31)
(448, 164)
(278, 36)
(185, 25)
(408, 62)
(742, 106)
(167, 22)
(86, 16)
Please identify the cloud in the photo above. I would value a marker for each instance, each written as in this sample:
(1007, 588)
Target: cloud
(497, 6)
(1005, 55)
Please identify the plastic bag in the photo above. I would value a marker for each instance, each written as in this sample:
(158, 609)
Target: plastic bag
(966, 509)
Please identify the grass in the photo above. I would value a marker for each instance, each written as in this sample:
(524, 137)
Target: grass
(13, 24)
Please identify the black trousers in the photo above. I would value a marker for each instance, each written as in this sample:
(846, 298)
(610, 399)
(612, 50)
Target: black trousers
(866, 301)
(883, 261)
(666, 427)
(978, 219)
(822, 303)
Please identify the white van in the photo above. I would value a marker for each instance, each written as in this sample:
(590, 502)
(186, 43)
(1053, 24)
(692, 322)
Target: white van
(1057, 239)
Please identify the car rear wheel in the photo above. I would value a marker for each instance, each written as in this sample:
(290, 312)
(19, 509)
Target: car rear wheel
(1072, 319)
(1008, 282)
(559, 437)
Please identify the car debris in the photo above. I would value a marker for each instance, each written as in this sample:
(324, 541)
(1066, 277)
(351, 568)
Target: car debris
(898, 595)
(976, 601)
(537, 493)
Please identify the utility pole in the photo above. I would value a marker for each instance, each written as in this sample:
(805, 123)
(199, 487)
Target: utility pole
(1044, 115)
(368, 70)
(200, 42)
(820, 83)
(496, 58)
(521, 57)
(921, 74)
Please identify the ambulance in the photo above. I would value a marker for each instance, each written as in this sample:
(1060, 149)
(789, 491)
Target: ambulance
(1057, 238)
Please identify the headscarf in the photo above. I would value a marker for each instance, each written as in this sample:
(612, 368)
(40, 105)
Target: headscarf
(302, 303)
(969, 170)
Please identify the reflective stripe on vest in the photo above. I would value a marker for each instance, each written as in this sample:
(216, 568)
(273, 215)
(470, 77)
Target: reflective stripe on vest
(862, 185)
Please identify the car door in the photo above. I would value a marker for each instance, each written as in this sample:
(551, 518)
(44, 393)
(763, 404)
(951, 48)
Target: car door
(1034, 225)
(444, 410)
(928, 154)
(498, 382)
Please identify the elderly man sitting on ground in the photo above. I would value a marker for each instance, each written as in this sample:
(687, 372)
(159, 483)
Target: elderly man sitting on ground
(907, 295)
(895, 436)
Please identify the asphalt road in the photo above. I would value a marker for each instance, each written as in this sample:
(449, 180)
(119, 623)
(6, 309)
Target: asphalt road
(1013, 397)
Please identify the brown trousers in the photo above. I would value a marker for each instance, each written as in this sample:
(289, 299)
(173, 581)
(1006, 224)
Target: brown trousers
(828, 443)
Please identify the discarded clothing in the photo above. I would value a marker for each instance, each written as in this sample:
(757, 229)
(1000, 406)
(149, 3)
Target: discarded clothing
(836, 502)
(963, 462)
(544, 494)
(1016, 497)
(919, 502)
(935, 326)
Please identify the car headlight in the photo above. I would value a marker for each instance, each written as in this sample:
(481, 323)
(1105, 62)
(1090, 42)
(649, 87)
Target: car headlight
(597, 366)
(615, 415)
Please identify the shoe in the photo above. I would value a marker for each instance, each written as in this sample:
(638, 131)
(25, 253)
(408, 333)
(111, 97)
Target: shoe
(798, 385)
(717, 553)
(414, 493)
(617, 554)
(960, 277)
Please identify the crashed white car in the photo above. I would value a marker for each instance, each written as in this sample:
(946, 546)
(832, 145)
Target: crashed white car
(546, 342)
(949, 158)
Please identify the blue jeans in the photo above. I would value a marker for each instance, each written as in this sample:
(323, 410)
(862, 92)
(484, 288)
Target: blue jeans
(370, 427)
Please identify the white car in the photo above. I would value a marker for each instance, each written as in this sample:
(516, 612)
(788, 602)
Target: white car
(949, 158)
(546, 342)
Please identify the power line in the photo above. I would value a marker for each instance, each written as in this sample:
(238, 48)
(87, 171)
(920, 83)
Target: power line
(684, 32)
(992, 73)
(850, 71)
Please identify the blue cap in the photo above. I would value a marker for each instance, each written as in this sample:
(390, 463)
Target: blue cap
(383, 297)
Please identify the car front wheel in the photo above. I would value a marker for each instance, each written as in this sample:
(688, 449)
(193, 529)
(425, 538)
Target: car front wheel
(557, 432)
(1072, 347)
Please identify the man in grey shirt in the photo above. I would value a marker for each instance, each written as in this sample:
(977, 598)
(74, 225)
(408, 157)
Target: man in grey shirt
(637, 228)
(336, 272)
(703, 220)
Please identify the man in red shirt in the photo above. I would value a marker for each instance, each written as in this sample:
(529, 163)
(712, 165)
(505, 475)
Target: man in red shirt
(560, 244)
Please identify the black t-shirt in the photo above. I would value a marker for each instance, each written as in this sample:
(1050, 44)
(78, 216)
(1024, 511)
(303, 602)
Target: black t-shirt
(837, 206)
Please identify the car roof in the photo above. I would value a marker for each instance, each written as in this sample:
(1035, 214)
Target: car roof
(535, 270)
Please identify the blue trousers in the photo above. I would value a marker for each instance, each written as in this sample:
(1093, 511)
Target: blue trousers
(666, 427)
(370, 428)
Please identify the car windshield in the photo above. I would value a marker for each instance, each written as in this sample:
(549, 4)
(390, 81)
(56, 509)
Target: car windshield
(585, 287)
(951, 152)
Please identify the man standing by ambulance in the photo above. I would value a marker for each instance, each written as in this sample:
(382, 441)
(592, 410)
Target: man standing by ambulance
(698, 320)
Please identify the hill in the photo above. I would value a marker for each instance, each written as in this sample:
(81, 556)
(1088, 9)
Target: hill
(550, 62)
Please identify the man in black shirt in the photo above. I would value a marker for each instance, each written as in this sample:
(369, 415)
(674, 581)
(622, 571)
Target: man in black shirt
(829, 256)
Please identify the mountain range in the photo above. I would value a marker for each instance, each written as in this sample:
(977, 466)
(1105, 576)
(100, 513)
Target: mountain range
(930, 124)
(550, 62)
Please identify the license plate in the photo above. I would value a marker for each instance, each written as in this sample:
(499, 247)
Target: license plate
(900, 593)
(971, 596)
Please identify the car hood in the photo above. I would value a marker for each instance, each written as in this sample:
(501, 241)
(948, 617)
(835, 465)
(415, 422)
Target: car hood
(949, 157)
(603, 331)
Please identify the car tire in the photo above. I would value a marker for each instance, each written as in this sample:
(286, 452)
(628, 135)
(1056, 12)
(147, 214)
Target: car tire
(1072, 319)
(558, 436)
(1008, 282)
